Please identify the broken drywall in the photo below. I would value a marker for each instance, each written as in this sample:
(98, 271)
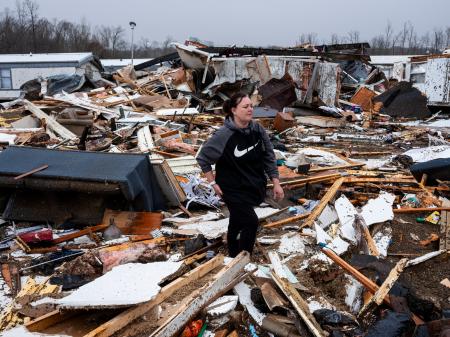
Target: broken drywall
(124, 285)
(379, 209)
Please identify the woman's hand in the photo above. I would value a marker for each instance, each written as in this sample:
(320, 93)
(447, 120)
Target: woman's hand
(218, 190)
(278, 193)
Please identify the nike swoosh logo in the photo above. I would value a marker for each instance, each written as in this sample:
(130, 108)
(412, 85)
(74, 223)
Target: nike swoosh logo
(240, 153)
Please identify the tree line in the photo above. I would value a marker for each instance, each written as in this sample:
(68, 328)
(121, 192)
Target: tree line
(406, 41)
(22, 30)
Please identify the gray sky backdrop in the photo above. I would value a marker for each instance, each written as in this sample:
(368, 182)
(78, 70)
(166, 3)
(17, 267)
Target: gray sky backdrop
(248, 22)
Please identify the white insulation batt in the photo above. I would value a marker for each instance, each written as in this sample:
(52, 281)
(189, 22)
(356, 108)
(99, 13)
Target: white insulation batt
(124, 285)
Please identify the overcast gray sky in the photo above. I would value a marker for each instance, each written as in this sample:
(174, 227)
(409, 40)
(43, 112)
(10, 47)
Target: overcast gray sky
(248, 22)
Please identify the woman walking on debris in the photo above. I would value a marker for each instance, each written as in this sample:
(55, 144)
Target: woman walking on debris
(243, 155)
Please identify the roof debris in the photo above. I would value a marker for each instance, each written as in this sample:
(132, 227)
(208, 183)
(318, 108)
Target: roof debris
(106, 215)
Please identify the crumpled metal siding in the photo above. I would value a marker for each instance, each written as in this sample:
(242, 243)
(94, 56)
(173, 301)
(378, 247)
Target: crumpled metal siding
(437, 81)
(255, 68)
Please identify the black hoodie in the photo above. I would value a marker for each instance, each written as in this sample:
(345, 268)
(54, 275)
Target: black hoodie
(243, 157)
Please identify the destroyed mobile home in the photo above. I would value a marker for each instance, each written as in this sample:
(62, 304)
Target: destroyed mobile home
(109, 228)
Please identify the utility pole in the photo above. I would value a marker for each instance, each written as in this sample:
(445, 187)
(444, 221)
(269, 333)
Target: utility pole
(132, 26)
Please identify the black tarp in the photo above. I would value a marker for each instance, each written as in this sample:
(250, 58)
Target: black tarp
(403, 100)
(98, 171)
(434, 169)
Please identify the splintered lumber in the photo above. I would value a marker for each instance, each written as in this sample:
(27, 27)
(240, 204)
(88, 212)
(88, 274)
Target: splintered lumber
(338, 167)
(82, 232)
(50, 122)
(420, 210)
(323, 202)
(287, 220)
(383, 291)
(133, 223)
(299, 304)
(444, 235)
(128, 316)
(26, 174)
(373, 250)
(365, 281)
(10, 316)
(203, 296)
(315, 179)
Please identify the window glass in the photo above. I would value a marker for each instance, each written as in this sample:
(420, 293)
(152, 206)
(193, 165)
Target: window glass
(6, 83)
(5, 79)
(5, 73)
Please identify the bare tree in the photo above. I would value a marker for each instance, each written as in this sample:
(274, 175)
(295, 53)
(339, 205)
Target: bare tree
(308, 38)
(32, 11)
(353, 36)
(335, 39)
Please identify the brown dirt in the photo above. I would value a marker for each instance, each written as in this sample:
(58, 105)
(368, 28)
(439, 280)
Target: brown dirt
(423, 279)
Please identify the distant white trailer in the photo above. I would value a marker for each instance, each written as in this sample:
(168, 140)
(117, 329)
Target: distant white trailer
(437, 81)
(16, 69)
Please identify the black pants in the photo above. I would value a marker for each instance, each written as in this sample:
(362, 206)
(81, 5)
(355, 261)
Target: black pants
(243, 223)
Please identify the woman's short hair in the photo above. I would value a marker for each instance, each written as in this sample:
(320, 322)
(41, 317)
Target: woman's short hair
(233, 102)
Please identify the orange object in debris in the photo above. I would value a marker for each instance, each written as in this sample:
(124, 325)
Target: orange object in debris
(192, 329)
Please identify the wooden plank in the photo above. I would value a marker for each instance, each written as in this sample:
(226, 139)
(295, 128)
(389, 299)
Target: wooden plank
(26, 174)
(383, 290)
(323, 202)
(49, 319)
(82, 232)
(51, 123)
(338, 167)
(444, 236)
(373, 250)
(133, 223)
(420, 210)
(287, 220)
(299, 304)
(126, 317)
(203, 296)
(366, 282)
(309, 180)
(354, 180)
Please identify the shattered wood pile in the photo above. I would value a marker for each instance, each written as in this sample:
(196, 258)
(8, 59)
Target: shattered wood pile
(108, 227)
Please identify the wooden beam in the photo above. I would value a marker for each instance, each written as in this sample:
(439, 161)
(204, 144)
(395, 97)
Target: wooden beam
(323, 202)
(287, 220)
(420, 210)
(203, 296)
(373, 250)
(299, 304)
(444, 235)
(308, 180)
(51, 123)
(49, 319)
(354, 180)
(338, 167)
(382, 291)
(128, 316)
(365, 281)
(82, 232)
(26, 174)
